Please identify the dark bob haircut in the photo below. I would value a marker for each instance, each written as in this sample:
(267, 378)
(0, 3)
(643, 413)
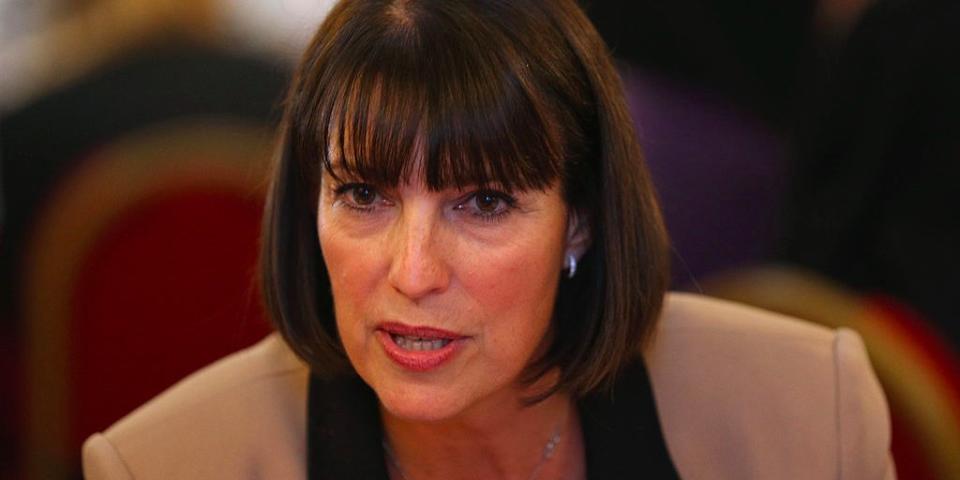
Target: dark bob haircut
(517, 93)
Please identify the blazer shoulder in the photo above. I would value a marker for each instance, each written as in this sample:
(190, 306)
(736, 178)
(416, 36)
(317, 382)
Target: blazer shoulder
(746, 393)
(713, 316)
(214, 423)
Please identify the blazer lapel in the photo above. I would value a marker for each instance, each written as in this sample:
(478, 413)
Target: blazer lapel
(622, 432)
(343, 430)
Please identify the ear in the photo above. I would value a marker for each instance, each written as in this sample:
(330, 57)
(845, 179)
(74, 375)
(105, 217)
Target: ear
(578, 234)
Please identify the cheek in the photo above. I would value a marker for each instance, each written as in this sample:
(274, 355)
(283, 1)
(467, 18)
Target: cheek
(353, 274)
(507, 277)
(351, 260)
(516, 287)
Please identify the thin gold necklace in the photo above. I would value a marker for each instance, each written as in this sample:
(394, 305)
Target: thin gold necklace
(548, 451)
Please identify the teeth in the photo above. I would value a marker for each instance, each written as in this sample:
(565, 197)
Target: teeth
(418, 343)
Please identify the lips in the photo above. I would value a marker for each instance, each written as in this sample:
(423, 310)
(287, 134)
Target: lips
(419, 349)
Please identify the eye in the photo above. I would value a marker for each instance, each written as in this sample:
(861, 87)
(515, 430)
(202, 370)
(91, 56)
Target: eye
(359, 196)
(363, 195)
(487, 204)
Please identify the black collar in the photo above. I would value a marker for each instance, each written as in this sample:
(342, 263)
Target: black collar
(621, 431)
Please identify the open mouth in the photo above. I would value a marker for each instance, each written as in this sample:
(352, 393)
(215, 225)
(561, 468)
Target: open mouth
(419, 349)
(419, 343)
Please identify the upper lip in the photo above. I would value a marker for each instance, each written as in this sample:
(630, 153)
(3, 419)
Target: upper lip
(395, 328)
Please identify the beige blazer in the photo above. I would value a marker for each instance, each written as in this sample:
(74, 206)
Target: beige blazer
(741, 394)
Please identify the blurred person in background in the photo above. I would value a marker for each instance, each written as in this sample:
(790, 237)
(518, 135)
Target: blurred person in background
(873, 199)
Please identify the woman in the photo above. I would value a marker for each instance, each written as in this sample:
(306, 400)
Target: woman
(465, 261)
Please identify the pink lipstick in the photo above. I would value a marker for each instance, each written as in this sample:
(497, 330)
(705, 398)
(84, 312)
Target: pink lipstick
(419, 349)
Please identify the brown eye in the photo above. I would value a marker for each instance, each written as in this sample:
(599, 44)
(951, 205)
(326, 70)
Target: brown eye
(359, 196)
(487, 202)
(487, 205)
(363, 195)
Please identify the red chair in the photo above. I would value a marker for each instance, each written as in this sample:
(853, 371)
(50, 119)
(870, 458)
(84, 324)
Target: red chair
(140, 269)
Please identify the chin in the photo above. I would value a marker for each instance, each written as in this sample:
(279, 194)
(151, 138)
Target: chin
(419, 405)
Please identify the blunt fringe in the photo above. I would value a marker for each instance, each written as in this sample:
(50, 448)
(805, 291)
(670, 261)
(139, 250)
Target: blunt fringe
(518, 93)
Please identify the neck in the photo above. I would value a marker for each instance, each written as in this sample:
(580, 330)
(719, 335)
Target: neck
(504, 440)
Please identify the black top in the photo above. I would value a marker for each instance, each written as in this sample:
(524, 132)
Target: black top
(621, 431)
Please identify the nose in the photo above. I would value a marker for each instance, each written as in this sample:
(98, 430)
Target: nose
(418, 268)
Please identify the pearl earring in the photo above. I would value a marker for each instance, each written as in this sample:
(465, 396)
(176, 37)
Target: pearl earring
(571, 265)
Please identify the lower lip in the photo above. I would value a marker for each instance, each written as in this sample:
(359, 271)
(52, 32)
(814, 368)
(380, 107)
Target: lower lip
(418, 360)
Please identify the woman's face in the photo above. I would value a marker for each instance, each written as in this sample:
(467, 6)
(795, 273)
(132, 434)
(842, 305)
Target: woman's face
(441, 298)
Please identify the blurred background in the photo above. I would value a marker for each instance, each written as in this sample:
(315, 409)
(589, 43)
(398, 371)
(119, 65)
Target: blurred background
(807, 154)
